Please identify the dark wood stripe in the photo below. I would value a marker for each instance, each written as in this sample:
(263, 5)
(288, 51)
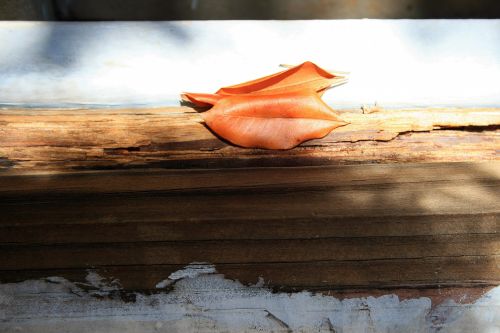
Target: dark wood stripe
(108, 230)
(246, 251)
(463, 271)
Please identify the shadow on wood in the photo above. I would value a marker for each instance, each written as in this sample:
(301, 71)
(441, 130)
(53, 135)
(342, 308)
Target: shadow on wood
(316, 228)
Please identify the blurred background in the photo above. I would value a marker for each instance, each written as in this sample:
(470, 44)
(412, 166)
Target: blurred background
(90, 10)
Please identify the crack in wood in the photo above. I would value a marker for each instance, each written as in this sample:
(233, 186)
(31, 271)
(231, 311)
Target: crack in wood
(470, 128)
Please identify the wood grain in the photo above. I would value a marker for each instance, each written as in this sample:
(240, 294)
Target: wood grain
(321, 228)
(68, 140)
(137, 194)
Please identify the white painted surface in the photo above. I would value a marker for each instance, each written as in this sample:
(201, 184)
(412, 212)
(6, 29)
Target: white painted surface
(203, 301)
(393, 62)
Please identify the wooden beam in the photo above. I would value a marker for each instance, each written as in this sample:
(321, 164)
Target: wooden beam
(68, 140)
(319, 228)
(354, 224)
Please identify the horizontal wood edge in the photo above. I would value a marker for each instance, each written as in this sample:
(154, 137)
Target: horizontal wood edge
(66, 140)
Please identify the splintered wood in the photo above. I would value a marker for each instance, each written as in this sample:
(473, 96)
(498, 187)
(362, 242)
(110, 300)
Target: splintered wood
(66, 140)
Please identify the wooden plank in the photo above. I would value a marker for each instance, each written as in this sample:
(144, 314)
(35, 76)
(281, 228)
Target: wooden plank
(66, 140)
(251, 222)
(407, 225)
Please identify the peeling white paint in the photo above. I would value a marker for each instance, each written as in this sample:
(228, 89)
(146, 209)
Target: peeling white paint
(202, 300)
(193, 270)
(190, 271)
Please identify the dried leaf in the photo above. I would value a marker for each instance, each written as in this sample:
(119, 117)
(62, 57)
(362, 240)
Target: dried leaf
(306, 76)
(280, 121)
(200, 99)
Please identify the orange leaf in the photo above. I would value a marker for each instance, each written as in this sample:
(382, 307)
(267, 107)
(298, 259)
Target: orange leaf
(279, 121)
(200, 99)
(306, 76)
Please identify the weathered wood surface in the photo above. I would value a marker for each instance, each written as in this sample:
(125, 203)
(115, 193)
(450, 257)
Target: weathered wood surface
(68, 140)
(318, 228)
(366, 226)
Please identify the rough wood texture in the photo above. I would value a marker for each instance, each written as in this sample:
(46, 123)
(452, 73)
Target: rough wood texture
(355, 227)
(64, 140)
(319, 228)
